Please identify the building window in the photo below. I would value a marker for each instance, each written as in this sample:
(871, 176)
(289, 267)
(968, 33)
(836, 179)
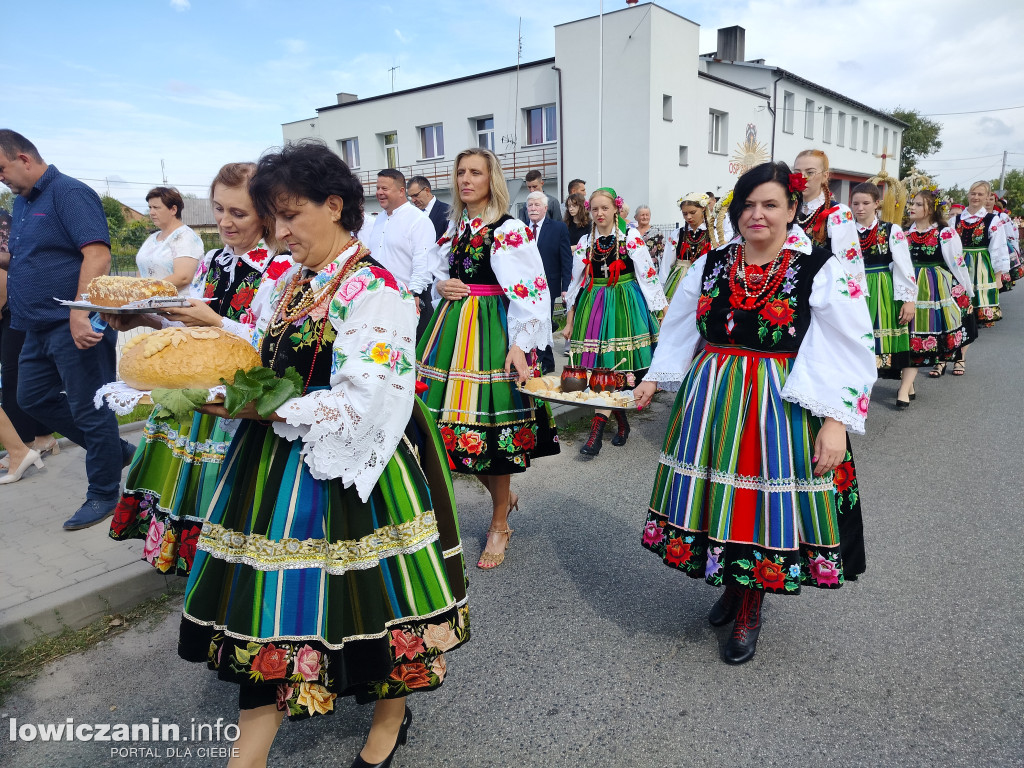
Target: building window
(894, 150)
(885, 141)
(863, 135)
(349, 151)
(788, 109)
(853, 133)
(826, 128)
(874, 141)
(485, 132)
(432, 141)
(541, 126)
(390, 150)
(684, 155)
(718, 132)
(809, 119)
(666, 107)
(841, 135)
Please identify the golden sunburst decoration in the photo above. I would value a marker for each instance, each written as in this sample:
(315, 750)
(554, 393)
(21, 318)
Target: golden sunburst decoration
(749, 153)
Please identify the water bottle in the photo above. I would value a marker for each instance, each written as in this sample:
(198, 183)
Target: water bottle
(97, 322)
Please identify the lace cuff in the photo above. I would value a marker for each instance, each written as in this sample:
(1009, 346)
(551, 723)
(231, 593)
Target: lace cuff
(122, 399)
(853, 422)
(529, 334)
(903, 293)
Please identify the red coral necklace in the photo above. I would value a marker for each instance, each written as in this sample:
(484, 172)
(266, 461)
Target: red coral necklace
(751, 285)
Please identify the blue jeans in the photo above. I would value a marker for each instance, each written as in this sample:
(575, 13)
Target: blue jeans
(56, 384)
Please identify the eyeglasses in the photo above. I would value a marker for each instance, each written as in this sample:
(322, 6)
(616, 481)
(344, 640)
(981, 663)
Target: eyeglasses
(807, 172)
(417, 194)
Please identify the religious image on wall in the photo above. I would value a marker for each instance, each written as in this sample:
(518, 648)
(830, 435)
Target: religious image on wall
(749, 153)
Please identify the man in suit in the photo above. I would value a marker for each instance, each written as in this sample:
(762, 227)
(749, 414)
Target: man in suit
(535, 183)
(552, 238)
(423, 198)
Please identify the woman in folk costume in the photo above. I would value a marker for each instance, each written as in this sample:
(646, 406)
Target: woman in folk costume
(654, 240)
(943, 309)
(614, 292)
(983, 236)
(745, 494)
(493, 308)
(1016, 271)
(330, 563)
(892, 288)
(688, 243)
(174, 473)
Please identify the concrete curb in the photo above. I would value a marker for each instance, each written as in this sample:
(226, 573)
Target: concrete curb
(78, 605)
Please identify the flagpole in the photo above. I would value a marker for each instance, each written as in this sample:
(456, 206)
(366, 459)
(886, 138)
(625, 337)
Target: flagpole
(600, 98)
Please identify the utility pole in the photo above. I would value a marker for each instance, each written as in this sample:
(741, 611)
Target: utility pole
(600, 97)
(163, 170)
(1002, 174)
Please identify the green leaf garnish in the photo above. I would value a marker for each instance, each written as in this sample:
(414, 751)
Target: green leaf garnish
(179, 403)
(263, 388)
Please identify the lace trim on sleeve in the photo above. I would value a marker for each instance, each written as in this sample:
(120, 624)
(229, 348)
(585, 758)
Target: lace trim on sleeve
(853, 422)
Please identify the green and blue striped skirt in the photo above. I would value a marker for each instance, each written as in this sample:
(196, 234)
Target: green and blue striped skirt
(612, 322)
(300, 585)
(735, 499)
(169, 488)
(986, 290)
(675, 276)
(892, 340)
(937, 332)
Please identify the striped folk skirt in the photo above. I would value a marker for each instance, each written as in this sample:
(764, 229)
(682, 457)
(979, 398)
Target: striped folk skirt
(489, 427)
(892, 340)
(986, 290)
(1016, 270)
(300, 585)
(675, 276)
(735, 500)
(169, 488)
(611, 323)
(937, 332)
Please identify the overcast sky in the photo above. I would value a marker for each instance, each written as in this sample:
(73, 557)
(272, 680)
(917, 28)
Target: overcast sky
(107, 90)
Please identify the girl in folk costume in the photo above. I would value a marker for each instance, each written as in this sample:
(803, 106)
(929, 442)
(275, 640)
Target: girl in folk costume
(493, 307)
(174, 473)
(829, 224)
(983, 236)
(745, 494)
(892, 286)
(944, 289)
(689, 242)
(614, 291)
(330, 563)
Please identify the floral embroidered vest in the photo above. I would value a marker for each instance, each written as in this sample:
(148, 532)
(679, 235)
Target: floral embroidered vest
(874, 245)
(692, 248)
(469, 259)
(233, 294)
(974, 235)
(778, 326)
(924, 248)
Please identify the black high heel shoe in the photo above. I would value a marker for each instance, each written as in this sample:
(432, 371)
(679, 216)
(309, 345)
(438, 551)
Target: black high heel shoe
(403, 737)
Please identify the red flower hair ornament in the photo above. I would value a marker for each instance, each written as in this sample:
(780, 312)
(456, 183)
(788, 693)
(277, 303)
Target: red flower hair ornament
(797, 183)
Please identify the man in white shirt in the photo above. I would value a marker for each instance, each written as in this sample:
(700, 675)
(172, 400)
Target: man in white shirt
(402, 239)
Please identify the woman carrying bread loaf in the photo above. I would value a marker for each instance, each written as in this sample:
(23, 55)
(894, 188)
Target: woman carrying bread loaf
(330, 563)
(174, 471)
(493, 308)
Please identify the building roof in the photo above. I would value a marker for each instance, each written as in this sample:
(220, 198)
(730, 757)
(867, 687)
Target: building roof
(467, 78)
(198, 212)
(628, 10)
(786, 74)
(731, 84)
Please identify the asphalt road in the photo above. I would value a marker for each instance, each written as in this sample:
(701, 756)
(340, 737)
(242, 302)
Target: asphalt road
(586, 651)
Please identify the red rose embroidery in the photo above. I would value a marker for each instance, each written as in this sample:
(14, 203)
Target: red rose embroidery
(124, 514)
(271, 662)
(258, 254)
(476, 242)
(703, 305)
(471, 442)
(514, 239)
(208, 293)
(524, 439)
(521, 290)
(843, 476)
(387, 277)
(448, 436)
(677, 552)
(243, 298)
(276, 269)
(187, 546)
(770, 575)
(778, 312)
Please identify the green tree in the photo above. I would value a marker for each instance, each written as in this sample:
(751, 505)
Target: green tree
(920, 138)
(957, 194)
(114, 213)
(1014, 186)
(7, 200)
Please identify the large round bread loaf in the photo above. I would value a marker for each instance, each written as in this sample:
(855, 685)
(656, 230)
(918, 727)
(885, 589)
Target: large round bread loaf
(184, 358)
(115, 291)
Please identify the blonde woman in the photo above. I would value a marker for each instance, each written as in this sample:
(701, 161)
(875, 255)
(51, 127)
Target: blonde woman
(689, 242)
(988, 258)
(493, 308)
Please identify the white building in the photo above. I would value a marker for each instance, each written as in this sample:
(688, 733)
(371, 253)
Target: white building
(672, 121)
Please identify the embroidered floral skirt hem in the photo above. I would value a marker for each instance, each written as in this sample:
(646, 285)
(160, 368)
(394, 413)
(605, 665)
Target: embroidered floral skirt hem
(300, 585)
(892, 340)
(169, 487)
(735, 499)
(487, 425)
(612, 322)
(937, 331)
(986, 290)
(1016, 270)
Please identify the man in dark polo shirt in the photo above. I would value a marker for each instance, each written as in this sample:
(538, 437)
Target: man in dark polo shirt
(59, 241)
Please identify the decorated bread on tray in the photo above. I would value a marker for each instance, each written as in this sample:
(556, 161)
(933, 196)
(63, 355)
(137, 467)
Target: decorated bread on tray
(549, 383)
(184, 358)
(114, 291)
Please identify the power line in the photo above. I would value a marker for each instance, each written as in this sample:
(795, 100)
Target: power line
(972, 111)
